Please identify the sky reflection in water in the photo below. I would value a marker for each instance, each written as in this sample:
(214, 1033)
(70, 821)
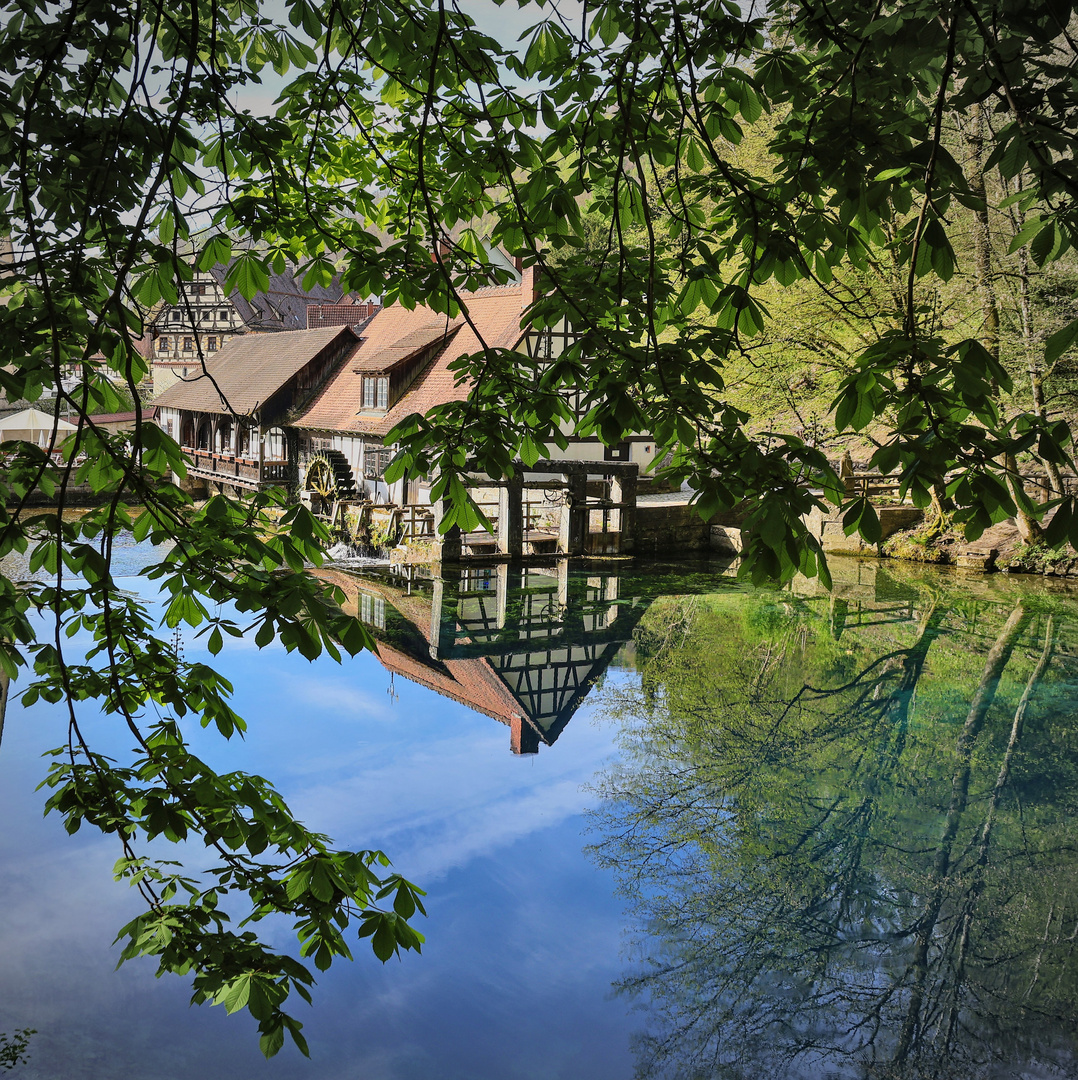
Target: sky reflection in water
(523, 933)
(735, 828)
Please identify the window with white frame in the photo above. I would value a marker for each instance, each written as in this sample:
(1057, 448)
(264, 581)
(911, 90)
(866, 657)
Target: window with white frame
(376, 459)
(372, 610)
(376, 393)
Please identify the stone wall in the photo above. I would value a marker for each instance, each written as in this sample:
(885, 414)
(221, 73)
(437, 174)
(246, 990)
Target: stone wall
(671, 528)
(827, 528)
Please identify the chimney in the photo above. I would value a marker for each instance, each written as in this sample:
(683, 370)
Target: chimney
(531, 280)
(523, 738)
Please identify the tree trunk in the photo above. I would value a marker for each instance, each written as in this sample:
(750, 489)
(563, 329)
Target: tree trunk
(1028, 527)
(982, 237)
(995, 662)
(977, 886)
(1036, 376)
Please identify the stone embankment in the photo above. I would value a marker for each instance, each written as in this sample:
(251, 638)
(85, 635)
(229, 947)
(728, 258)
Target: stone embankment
(907, 537)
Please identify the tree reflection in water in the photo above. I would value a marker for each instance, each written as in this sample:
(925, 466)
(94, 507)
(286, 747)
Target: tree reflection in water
(847, 849)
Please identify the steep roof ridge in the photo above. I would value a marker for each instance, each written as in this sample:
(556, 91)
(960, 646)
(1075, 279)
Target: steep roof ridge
(409, 346)
(292, 298)
(249, 369)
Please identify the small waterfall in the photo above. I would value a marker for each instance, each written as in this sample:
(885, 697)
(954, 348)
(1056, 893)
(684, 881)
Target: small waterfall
(349, 554)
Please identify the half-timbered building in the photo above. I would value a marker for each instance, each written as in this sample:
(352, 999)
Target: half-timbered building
(208, 315)
(403, 366)
(232, 415)
(454, 634)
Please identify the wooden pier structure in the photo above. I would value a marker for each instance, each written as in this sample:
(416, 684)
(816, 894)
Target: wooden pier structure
(553, 507)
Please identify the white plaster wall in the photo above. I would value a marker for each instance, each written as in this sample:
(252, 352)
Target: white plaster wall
(164, 416)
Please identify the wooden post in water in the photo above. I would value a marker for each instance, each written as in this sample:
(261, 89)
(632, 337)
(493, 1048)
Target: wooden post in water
(574, 514)
(450, 539)
(502, 593)
(511, 518)
(623, 487)
(443, 611)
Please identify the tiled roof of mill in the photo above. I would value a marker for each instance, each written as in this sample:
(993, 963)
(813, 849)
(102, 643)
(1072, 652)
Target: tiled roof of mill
(493, 322)
(249, 370)
(472, 682)
(413, 342)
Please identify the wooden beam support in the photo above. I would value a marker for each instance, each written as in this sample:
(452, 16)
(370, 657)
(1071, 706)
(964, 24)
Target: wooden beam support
(511, 519)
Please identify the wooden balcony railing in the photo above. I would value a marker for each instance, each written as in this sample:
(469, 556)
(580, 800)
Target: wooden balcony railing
(231, 469)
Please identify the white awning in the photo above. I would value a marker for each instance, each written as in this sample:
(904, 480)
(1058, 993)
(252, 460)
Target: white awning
(33, 425)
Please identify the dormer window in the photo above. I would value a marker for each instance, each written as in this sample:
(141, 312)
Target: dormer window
(376, 393)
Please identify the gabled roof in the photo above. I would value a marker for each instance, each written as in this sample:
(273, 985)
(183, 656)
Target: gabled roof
(493, 321)
(250, 369)
(472, 682)
(414, 342)
(468, 682)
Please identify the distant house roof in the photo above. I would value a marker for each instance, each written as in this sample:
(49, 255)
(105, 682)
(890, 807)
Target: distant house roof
(349, 312)
(250, 369)
(122, 417)
(283, 306)
(395, 334)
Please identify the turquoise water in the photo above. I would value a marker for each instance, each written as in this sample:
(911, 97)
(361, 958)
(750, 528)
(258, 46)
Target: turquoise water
(667, 825)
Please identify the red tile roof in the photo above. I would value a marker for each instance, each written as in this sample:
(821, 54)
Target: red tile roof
(407, 347)
(346, 313)
(492, 321)
(148, 413)
(472, 682)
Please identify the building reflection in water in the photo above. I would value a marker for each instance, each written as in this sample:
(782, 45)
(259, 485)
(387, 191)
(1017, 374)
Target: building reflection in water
(842, 821)
(521, 644)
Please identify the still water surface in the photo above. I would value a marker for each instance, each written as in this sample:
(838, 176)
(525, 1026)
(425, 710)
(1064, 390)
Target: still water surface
(667, 824)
